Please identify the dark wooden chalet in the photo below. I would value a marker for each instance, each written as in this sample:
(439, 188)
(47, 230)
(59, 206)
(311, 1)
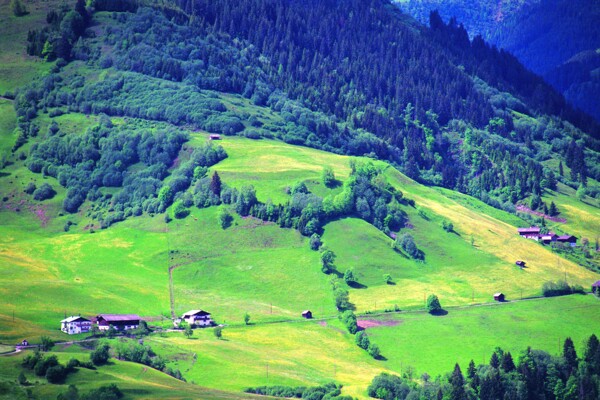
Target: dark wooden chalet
(520, 263)
(307, 314)
(549, 237)
(533, 232)
(499, 296)
(214, 136)
(596, 287)
(572, 240)
(121, 322)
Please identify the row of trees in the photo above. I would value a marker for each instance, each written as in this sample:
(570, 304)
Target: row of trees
(536, 375)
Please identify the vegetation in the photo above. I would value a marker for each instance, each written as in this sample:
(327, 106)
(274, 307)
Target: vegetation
(536, 375)
(433, 304)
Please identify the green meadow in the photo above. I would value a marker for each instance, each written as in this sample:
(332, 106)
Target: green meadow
(433, 344)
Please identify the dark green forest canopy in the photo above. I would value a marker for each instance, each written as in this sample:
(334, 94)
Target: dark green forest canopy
(354, 77)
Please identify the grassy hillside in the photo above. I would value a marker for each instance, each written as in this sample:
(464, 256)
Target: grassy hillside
(433, 344)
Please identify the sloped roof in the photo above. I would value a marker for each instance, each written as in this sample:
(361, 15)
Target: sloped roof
(195, 312)
(532, 229)
(596, 284)
(74, 318)
(119, 317)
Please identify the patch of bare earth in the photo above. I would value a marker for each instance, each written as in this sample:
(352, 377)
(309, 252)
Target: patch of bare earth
(371, 323)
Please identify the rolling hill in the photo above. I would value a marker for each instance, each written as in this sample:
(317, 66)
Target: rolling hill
(115, 199)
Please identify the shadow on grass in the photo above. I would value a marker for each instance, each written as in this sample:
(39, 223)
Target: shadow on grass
(356, 285)
(381, 358)
(439, 313)
(456, 233)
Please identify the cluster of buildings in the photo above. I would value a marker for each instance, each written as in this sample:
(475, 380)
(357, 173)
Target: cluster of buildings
(124, 322)
(533, 232)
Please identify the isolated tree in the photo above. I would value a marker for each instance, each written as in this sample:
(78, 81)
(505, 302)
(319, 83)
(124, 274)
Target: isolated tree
(433, 304)
(560, 169)
(349, 276)
(218, 331)
(188, 331)
(327, 259)
(247, 319)
(179, 210)
(46, 343)
(387, 278)
(342, 298)
(328, 177)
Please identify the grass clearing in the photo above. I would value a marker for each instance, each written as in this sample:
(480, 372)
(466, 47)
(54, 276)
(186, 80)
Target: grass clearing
(302, 353)
(434, 344)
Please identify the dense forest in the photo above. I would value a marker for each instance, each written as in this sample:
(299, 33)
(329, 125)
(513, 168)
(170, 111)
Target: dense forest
(445, 109)
(553, 38)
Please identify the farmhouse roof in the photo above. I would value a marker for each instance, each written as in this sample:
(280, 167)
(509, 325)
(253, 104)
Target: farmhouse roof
(195, 312)
(566, 237)
(531, 229)
(73, 319)
(305, 311)
(119, 317)
(596, 284)
(498, 294)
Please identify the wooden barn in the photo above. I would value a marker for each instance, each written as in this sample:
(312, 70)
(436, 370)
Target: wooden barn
(307, 314)
(121, 322)
(570, 239)
(520, 263)
(499, 296)
(214, 136)
(596, 287)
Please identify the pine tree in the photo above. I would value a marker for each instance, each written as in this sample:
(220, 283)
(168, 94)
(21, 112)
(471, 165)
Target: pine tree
(494, 361)
(471, 371)
(552, 211)
(569, 354)
(215, 184)
(561, 172)
(508, 365)
(458, 385)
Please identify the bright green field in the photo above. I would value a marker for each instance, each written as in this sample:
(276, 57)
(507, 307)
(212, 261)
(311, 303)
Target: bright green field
(297, 353)
(136, 381)
(434, 344)
(251, 267)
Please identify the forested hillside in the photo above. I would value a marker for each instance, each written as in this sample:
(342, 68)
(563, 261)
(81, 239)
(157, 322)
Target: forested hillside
(553, 38)
(350, 78)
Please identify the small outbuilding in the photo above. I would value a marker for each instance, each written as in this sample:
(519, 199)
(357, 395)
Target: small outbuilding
(24, 342)
(214, 136)
(499, 297)
(307, 314)
(596, 288)
(520, 263)
(570, 239)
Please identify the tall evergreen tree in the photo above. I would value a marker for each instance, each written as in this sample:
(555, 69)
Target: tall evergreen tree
(215, 184)
(457, 381)
(570, 355)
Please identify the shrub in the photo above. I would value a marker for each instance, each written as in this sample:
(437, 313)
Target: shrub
(56, 374)
(315, 242)
(349, 319)
(30, 188)
(44, 192)
(101, 355)
(433, 304)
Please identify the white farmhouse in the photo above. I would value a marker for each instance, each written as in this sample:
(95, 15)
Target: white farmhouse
(75, 324)
(197, 317)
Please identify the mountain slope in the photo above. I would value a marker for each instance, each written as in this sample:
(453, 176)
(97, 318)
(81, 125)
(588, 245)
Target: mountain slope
(544, 35)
